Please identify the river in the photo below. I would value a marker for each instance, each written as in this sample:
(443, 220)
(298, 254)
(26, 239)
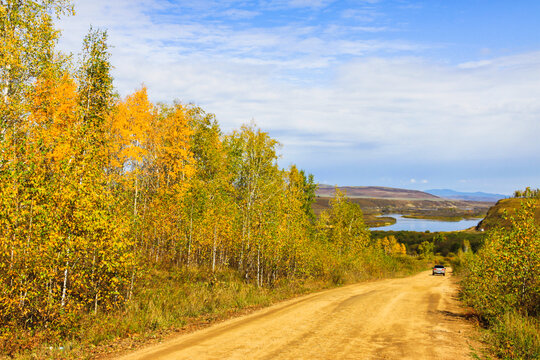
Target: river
(406, 224)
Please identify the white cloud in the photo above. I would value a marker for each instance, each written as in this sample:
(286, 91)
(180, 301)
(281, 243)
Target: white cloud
(475, 64)
(157, 29)
(293, 80)
(310, 3)
(298, 3)
(365, 15)
(237, 14)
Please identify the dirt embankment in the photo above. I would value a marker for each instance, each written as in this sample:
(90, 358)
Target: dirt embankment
(500, 213)
(417, 317)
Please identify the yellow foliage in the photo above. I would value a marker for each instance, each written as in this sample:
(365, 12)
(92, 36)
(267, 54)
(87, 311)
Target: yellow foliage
(171, 149)
(54, 117)
(130, 127)
(390, 245)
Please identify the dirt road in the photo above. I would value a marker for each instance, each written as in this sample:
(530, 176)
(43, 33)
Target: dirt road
(410, 318)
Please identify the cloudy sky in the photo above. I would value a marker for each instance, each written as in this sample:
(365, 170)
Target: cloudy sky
(401, 93)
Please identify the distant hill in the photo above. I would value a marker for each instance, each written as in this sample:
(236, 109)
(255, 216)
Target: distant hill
(376, 200)
(496, 214)
(467, 196)
(376, 192)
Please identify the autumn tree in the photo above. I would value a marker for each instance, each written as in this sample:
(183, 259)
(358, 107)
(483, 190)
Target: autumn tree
(168, 168)
(209, 206)
(425, 249)
(73, 256)
(256, 182)
(343, 225)
(95, 84)
(296, 221)
(28, 38)
(528, 193)
(26, 54)
(129, 129)
(308, 187)
(66, 247)
(391, 246)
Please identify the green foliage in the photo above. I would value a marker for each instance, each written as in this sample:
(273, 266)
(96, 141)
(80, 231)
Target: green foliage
(343, 225)
(425, 249)
(309, 188)
(502, 283)
(528, 193)
(504, 275)
(95, 81)
(444, 243)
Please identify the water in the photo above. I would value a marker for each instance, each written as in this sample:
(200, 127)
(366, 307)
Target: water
(405, 224)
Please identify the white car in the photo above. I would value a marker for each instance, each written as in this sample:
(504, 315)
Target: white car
(439, 270)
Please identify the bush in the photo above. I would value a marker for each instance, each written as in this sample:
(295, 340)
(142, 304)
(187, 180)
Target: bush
(504, 275)
(501, 282)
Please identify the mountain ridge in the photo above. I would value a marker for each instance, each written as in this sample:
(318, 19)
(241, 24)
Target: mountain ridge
(467, 196)
(376, 192)
(384, 192)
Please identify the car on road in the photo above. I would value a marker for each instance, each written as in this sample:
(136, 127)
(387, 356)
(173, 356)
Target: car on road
(439, 270)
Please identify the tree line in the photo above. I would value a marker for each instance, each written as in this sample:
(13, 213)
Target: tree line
(528, 193)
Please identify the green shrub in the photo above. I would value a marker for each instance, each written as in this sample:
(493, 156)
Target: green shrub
(503, 276)
(514, 336)
(501, 282)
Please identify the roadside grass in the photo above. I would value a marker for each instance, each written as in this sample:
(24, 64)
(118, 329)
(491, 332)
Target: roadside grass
(514, 336)
(176, 301)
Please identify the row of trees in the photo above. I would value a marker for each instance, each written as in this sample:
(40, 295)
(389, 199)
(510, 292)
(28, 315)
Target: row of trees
(95, 189)
(528, 193)
(446, 244)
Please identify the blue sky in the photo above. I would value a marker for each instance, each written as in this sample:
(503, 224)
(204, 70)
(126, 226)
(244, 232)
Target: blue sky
(412, 94)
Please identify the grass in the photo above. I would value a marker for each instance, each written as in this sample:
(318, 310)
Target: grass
(497, 214)
(515, 336)
(175, 301)
(373, 220)
(438, 217)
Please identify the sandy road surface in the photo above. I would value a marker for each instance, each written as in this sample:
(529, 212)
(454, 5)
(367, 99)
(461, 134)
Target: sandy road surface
(410, 318)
